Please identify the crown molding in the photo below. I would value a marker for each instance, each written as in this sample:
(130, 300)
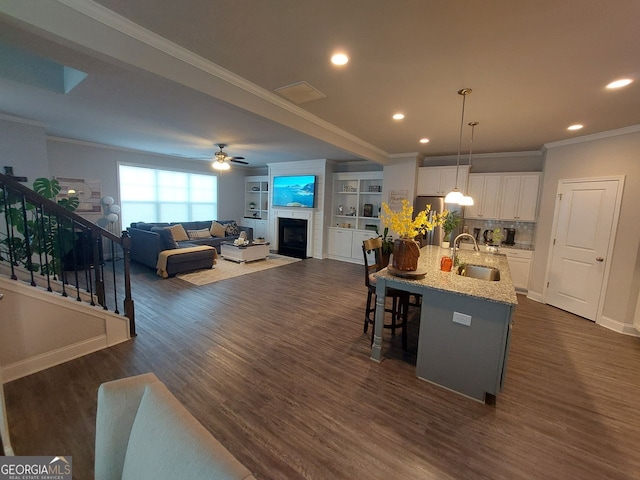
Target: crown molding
(594, 136)
(526, 153)
(104, 146)
(26, 121)
(107, 17)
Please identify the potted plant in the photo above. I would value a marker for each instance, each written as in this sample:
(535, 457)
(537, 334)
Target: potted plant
(451, 221)
(405, 249)
(44, 244)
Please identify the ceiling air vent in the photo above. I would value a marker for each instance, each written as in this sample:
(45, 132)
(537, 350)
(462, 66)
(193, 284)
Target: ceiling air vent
(300, 92)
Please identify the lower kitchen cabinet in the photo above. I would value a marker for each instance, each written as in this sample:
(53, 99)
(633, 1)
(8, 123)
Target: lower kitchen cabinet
(346, 244)
(520, 266)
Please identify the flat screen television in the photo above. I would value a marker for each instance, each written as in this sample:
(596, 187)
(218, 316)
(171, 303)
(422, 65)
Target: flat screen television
(294, 191)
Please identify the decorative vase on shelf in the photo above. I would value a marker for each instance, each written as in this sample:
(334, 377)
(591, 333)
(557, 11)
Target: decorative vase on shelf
(406, 252)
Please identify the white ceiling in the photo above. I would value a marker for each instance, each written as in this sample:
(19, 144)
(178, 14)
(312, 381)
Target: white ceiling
(535, 67)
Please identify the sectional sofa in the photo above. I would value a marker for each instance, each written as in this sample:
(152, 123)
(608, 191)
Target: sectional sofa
(149, 239)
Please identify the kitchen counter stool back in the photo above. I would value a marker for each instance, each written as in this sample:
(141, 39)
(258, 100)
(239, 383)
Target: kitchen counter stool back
(399, 299)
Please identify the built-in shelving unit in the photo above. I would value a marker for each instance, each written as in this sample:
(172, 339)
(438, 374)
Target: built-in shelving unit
(357, 199)
(256, 197)
(256, 205)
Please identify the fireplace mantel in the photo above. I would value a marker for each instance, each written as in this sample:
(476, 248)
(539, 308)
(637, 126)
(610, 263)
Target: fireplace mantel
(307, 215)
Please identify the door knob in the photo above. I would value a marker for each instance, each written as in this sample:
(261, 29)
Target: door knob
(599, 259)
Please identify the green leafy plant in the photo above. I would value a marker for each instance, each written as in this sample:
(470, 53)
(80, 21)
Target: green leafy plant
(387, 242)
(451, 221)
(35, 231)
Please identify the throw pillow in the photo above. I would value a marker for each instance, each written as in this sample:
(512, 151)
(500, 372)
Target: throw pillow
(166, 239)
(195, 234)
(217, 230)
(178, 233)
(231, 229)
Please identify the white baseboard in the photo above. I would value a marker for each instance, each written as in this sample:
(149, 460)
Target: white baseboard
(616, 326)
(41, 362)
(535, 296)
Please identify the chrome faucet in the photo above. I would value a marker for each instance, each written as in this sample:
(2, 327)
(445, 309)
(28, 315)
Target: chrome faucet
(453, 249)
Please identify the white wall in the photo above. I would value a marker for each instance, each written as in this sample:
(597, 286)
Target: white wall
(84, 160)
(492, 162)
(23, 147)
(401, 174)
(595, 156)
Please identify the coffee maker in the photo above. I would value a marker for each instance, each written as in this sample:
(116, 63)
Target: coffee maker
(509, 236)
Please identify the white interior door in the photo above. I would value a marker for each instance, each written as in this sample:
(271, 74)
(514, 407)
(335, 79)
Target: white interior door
(584, 226)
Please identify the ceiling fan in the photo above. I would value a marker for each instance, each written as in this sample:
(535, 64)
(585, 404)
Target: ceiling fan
(221, 159)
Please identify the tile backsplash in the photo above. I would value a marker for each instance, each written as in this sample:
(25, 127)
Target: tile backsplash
(525, 231)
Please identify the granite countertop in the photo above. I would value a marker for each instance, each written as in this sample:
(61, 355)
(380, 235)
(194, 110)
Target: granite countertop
(501, 291)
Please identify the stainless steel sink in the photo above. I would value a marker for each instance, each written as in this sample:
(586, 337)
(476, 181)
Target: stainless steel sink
(479, 271)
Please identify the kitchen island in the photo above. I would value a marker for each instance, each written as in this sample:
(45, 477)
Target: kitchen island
(465, 322)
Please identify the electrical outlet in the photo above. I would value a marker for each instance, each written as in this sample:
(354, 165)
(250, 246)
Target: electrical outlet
(462, 319)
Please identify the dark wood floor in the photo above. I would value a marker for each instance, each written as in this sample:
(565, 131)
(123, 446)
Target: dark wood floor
(276, 366)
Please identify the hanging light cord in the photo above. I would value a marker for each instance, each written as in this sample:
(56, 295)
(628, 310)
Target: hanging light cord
(473, 128)
(464, 92)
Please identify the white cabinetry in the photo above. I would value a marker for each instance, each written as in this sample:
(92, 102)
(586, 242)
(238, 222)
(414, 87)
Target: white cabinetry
(346, 244)
(339, 243)
(519, 198)
(438, 181)
(260, 227)
(485, 191)
(520, 266)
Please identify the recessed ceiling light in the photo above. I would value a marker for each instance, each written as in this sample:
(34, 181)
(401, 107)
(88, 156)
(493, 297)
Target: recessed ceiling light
(424, 140)
(623, 82)
(339, 58)
(398, 116)
(577, 126)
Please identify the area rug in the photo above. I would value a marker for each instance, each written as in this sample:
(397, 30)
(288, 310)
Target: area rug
(226, 269)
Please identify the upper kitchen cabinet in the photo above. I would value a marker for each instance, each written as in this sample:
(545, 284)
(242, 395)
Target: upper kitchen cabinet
(438, 181)
(519, 198)
(485, 191)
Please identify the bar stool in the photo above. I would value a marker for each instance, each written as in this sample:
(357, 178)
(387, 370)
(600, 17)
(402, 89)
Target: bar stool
(399, 299)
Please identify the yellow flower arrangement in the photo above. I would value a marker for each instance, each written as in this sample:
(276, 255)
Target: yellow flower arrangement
(405, 225)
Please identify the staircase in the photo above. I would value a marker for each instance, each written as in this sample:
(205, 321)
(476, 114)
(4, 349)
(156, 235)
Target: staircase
(65, 282)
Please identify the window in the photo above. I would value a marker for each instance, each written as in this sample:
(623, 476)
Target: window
(152, 195)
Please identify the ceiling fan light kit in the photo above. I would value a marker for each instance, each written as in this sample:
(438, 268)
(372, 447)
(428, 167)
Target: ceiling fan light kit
(221, 160)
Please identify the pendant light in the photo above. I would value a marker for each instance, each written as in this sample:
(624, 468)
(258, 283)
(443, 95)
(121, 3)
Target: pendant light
(455, 195)
(467, 200)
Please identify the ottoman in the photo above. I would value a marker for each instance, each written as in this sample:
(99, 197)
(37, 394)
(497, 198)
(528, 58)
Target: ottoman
(181, 260)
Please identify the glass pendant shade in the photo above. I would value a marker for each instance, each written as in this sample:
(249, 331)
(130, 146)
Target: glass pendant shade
(466, 201)
(454, 196)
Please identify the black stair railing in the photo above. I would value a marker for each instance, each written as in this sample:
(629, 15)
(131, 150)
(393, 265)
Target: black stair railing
(44, 244)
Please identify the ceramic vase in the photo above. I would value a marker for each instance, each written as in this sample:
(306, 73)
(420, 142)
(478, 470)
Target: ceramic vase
(406, 252)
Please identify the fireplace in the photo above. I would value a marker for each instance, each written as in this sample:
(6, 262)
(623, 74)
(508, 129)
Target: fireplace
(292, 237)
